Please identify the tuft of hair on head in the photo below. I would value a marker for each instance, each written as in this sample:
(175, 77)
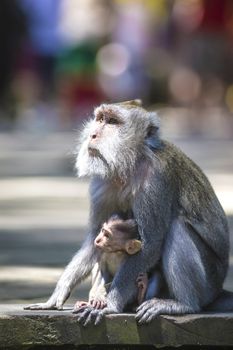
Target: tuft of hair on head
(115, 217)
(130, 103)
(128, 227)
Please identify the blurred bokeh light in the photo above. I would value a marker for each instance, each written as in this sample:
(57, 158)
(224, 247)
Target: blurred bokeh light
(59, 58)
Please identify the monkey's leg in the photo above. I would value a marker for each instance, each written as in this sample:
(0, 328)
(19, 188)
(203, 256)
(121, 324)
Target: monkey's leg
(192, 272)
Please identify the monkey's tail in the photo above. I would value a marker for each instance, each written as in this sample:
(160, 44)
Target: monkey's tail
(223, 303)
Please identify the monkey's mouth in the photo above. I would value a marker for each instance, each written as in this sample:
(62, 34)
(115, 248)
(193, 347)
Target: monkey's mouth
(93, 152)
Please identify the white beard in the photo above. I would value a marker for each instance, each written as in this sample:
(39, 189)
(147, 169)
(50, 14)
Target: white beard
(88, 165)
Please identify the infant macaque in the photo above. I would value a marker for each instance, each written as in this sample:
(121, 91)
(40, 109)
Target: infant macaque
(117, 240)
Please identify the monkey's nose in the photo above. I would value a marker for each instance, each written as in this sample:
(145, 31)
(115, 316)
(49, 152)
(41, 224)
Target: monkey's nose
(97, 241)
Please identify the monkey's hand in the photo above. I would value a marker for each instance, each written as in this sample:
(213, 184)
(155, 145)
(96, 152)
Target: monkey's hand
(152, 308)
(98, 303)
(80, 304)
(149, 310)
(55, 302)
(88, 315)
(41, 306)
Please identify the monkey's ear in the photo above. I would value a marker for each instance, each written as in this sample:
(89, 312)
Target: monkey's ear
(136, 103)
(152, 137)
(133, 246)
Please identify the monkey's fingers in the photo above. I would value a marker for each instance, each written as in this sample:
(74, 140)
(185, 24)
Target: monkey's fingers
(90, 317)
(79, 304)
(81, 309)
(101, 313)
(94, 303)
(147, 311)
(40, 306)
(103, 304)
(98, 304)
(99, 317)
(146, 305)
(83, 315)
(95, 316)
(146, 317)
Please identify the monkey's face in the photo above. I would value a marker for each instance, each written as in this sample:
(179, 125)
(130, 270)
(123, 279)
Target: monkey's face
(109, 240)
(114, 140)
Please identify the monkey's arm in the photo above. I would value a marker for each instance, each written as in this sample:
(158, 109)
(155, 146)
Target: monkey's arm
(98, 289)
(79, 267)
(84, 260)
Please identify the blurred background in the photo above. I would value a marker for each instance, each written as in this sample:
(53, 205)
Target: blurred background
(61, 58)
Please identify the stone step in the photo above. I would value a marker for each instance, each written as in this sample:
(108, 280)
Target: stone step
(22, 329)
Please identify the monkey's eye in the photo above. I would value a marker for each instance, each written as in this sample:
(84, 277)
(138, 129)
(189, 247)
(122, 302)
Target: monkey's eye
(100, 118)
(106, 234)
(112, 121)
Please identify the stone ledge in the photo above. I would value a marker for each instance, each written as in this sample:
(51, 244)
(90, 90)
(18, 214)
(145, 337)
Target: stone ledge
(22, 329)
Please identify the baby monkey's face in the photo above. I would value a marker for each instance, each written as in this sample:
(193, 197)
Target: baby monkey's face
(110, 240)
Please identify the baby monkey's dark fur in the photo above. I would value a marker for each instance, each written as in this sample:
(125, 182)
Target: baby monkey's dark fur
(181, 223)
(117, 240)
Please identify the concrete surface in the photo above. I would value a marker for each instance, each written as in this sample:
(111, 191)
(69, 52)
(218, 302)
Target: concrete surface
(21, 329)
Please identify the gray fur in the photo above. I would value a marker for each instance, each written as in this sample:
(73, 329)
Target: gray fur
(180, 220)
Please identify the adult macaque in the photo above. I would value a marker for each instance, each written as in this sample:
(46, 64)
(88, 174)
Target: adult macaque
(117, 240)
(181, 223)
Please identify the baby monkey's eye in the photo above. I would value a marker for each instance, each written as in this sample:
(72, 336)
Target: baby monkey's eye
(106, 233)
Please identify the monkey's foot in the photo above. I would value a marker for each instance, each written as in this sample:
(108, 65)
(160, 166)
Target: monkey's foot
(142, 283)
(88, 315)
(152, 308)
